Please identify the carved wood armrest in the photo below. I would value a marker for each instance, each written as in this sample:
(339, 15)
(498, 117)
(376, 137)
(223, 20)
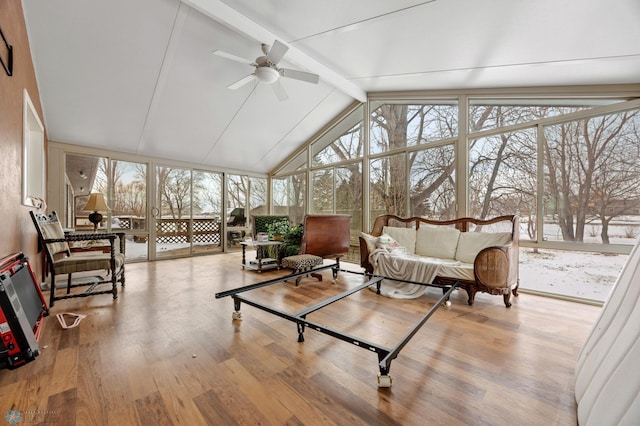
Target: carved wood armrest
(491, 266)
(364, 256)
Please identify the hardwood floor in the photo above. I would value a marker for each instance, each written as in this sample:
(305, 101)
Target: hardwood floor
(168, 353)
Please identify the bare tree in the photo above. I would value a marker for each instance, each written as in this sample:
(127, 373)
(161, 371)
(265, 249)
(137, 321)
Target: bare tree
(432, 184)
(616, 187)
(174, 189)
(591, 161)
(207, 192)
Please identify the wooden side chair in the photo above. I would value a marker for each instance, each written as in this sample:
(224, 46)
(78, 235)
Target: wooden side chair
(323, 237)
(61, 260)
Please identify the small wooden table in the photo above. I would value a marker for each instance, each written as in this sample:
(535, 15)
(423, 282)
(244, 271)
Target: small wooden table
(261, 263)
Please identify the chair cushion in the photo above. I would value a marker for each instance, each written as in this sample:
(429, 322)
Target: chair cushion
(80, 262)
(456, 270)
(301, 261)
(54, 231)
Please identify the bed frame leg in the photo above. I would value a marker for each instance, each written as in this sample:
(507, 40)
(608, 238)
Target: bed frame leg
(384, 380)
(447, 302)
(236, 315)
(384, 365)
(300, 333)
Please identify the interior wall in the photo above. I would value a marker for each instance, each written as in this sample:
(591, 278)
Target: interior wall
(16, 228)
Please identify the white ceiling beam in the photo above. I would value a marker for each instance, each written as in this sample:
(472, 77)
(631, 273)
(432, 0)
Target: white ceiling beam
(219, 11)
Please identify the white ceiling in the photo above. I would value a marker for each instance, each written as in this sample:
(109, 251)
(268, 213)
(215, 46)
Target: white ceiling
(139, 77)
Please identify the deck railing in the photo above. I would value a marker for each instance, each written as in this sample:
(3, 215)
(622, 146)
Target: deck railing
(169, 230)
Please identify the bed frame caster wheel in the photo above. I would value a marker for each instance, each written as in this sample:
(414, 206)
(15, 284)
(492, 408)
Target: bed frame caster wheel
(236, 315)
(384, 381)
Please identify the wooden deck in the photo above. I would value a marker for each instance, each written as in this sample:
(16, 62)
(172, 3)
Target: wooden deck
(168, 353)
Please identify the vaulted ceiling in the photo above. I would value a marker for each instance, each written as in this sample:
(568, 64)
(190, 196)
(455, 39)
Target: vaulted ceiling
(140, 77)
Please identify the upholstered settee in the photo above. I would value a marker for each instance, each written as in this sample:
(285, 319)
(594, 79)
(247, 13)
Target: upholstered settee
(481, 255)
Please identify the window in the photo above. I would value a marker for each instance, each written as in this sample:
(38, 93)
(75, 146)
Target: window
(289, 196)
(339, 190)
(432, 191)
(592, 179)
(503, 176)
(343, 142)
(299, 162)
(569, 166)
(397, 126)
(323, 191)
(497, 113)
(129, 206)
(84, 175)
(388, 186)
(206, 211)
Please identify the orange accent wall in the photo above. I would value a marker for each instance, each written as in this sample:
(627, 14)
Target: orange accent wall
(17, 232)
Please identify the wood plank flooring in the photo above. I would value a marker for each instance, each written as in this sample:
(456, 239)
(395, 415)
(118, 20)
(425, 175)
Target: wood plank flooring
(168, 353)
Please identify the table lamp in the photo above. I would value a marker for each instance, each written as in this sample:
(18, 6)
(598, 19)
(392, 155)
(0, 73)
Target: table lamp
(97, 204)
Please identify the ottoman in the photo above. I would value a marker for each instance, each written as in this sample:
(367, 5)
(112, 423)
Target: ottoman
(301, 263)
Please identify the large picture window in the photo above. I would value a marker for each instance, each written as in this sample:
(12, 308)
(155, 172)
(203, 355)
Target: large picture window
(339, 190)
(569, 167)
(343, 142)
(397, 126)
(592, 179)
(432, 191)
(289, 196)
(388, 186)
(502, 176)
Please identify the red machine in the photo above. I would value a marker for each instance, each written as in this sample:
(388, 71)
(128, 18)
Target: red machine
(22, 307)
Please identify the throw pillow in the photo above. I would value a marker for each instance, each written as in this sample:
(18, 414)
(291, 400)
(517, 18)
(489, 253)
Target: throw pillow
(387, 243)
(471, 243)
(406, 237)
(370, 240)
(437, 241)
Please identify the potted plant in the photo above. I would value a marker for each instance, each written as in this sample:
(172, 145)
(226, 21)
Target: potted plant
(277, 230)
(292, 240)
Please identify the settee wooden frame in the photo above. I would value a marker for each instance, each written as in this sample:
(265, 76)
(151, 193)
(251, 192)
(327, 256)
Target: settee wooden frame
(496, 269)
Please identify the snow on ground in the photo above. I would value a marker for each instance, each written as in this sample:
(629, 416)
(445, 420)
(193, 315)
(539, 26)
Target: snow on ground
(569, 273)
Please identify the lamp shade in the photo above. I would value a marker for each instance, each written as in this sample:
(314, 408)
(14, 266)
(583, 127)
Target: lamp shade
(96, 203)
(267, 75)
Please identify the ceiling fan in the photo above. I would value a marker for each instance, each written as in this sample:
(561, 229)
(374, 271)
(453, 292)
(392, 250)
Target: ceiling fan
(267, 70)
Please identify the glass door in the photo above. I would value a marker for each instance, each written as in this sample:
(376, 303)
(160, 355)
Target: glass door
(129, 206)
(187, 214)
(237, 223)
(123, 186)
(206, 212)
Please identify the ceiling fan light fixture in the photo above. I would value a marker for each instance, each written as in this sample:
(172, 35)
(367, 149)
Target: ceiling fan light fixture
(267, 75)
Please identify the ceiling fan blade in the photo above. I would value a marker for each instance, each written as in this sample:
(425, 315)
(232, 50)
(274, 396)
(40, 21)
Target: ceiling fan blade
(300, 75)
(233, 57)
(244, 80)
(279, 91)
(276, 52)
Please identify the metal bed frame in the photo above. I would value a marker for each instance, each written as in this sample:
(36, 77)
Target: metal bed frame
(385, 355)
